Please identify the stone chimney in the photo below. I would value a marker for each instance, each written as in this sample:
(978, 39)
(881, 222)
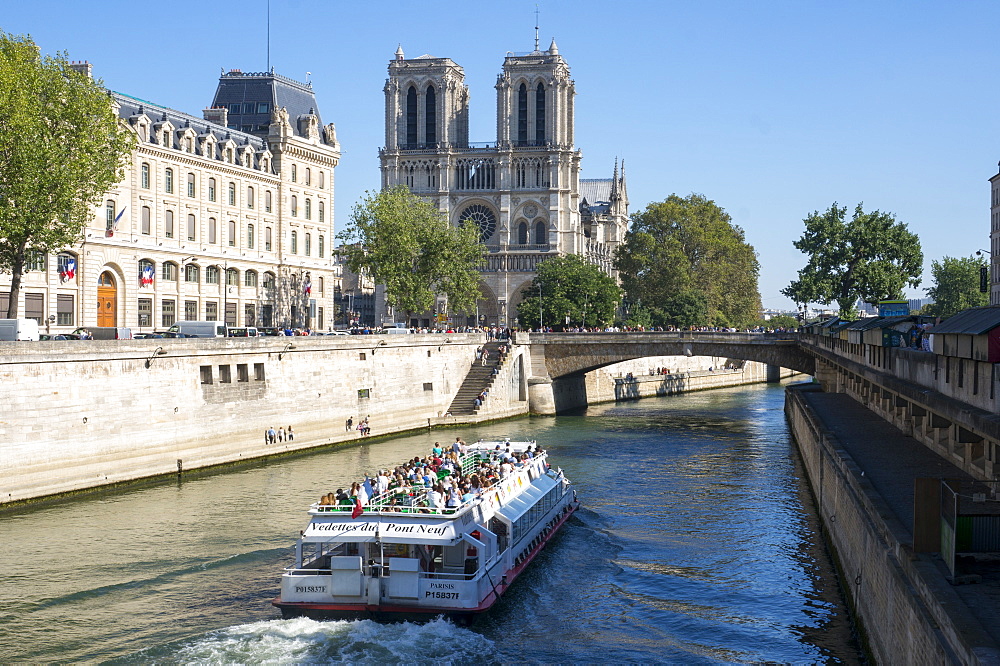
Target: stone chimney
(218, 115)
(83, 67)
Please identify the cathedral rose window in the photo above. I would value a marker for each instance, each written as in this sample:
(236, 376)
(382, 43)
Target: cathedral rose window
(482, 217)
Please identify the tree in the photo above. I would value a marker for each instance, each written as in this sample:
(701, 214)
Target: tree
(956, 285)
(682, 249)
(62, 148)
(872, 257)
(570, 288)
(405, 243)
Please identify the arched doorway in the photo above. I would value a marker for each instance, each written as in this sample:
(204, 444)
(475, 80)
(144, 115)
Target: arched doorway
(107, 300)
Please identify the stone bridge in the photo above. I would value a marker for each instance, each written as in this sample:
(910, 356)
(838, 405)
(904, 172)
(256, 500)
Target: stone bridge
(558, 361)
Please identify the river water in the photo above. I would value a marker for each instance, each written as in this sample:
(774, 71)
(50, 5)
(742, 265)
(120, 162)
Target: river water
(695, 543)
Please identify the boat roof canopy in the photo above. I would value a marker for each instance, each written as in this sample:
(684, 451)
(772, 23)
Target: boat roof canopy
(520, 505)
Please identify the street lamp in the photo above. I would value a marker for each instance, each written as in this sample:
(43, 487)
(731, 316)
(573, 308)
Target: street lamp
(539, 306)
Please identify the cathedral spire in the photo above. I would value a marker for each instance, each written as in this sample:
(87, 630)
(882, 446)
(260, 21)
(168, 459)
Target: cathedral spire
(614, 184)
(536, 28)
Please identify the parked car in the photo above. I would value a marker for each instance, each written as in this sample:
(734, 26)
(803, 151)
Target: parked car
(146, 336)
(243, 332)
(59, 336)
(269, 331)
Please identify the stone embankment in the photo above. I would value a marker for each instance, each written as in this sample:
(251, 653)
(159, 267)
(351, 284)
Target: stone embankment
(863, 473)
(77, 416)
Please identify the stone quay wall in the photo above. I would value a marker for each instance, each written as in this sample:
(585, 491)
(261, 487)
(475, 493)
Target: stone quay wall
(81, 415)
(78, 415)
(903, 620)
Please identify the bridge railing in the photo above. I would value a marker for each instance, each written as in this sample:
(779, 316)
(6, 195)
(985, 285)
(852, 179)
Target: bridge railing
(522, 337)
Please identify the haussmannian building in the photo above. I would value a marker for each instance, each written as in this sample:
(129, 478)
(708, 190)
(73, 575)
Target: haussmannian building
(224, 217)
(994, 258)
(523, 190)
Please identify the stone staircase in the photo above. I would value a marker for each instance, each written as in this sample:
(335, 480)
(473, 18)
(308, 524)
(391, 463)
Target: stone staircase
(479, 377)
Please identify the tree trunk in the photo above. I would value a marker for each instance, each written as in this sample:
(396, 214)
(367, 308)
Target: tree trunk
(17, 269)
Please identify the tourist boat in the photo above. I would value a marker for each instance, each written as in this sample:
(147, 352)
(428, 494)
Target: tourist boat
(398, 559)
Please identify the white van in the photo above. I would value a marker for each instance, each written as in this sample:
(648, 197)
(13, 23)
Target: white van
(199, 329)
(18, 329)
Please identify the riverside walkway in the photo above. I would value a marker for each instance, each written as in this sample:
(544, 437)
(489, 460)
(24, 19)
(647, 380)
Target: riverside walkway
(889, 462)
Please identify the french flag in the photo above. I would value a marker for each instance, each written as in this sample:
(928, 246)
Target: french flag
(146, 278)
(69, 271)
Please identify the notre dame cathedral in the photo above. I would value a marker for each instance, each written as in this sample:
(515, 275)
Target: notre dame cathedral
(522, 190)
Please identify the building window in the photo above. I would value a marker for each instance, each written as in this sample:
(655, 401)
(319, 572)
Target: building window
(145, 312)
(321, 211)
(258, 369)
(522, 233)
(211, 311)
(225, 374)
(308, 177)
(411, 116)
(250, 236)
(168, 313)
(249, 315)
(168, 181)
(232, 277)
(540, 114)
(190, 310)
(191, 185)
(147, 271)
(267, 239)
(249, 197)
(145, 224)
(206, 374)
(212, 275)
(294, 174)
(540, 238)
(295, 242)
(65, 310)
(320, 285)
(212, 230)
(34, 261)
(522, 115)
(211, 189)
(250, 279)
(267, 201)
(109, 213)
(308, 244)
(309, 209)
(321, 177)
(430, 121)
(168, 224)
(192, 228)
(268, 282)
(295, 206)
(242, 371)
(232, 233)
(191, 273)
(320, 248)
(170, 271)
(232, 194)
(145, 176)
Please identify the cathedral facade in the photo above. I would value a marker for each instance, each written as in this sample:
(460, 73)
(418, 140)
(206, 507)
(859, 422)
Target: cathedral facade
(523, 190)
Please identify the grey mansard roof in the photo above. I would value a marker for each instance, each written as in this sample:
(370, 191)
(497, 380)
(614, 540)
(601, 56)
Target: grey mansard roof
(251, 91)
(595, 194)
(132, 106)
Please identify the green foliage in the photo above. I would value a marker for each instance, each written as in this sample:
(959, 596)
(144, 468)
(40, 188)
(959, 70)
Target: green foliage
(780, 321)
(872, 257)
(639, 316)
(686, 309)
(682, 249)
(405, 243)
(62, 148)
(569, 287)
(956, 286)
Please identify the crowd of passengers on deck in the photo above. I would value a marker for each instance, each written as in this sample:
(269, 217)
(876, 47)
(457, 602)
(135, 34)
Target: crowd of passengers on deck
(433, 484)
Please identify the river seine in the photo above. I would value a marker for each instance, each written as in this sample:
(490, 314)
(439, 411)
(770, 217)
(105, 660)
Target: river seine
(695, 543)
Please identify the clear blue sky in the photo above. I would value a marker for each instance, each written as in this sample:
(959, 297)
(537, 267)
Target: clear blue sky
(771, 109)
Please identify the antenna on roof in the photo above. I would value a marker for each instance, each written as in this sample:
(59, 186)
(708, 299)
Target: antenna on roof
(269, 35)
(536, 27)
